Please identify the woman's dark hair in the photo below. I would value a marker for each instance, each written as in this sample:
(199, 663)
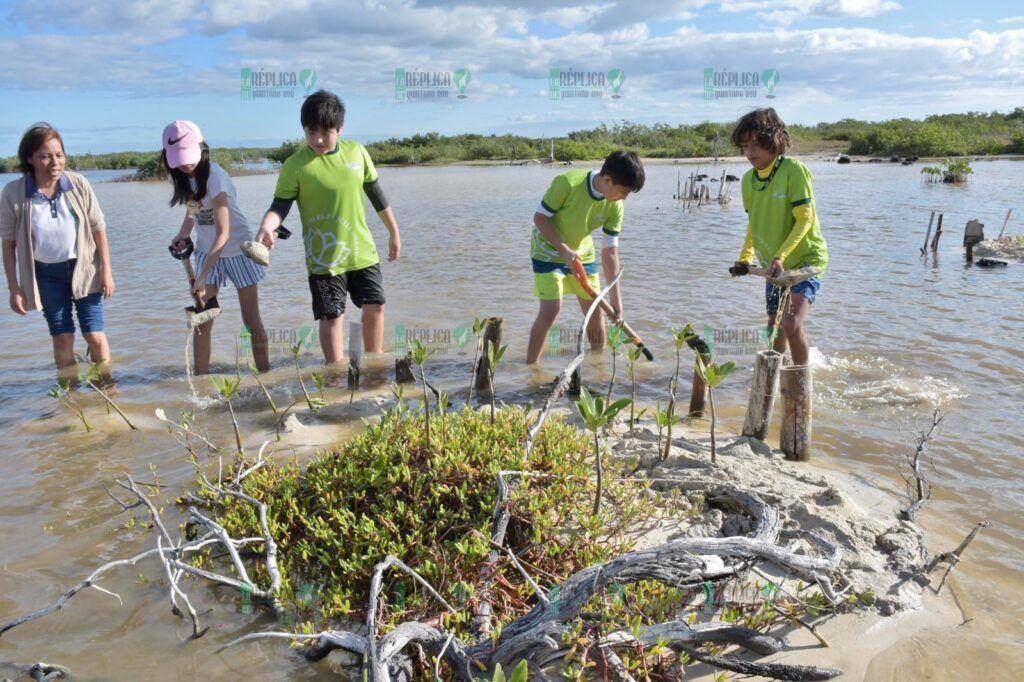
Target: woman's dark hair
(767, 129)
(182, 187)
(34, 138)
(625, 170)
(323, 111)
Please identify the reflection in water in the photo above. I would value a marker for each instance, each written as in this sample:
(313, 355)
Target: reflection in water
(896, 334)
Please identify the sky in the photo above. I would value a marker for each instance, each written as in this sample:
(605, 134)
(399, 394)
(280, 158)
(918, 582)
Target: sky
(111, 75)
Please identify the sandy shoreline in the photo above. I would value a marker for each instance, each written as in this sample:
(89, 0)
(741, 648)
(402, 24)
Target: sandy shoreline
(860, 515)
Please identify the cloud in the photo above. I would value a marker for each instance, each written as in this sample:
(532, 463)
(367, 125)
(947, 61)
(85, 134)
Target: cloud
(355, 47)
(785, 12)
(1011, 20)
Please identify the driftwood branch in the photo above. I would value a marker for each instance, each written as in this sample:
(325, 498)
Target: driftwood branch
(953, 558)
(566, 376)
(919, 489)
(775, 671)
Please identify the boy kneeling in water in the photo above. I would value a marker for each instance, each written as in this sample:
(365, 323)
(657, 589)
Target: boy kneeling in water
(782, 223)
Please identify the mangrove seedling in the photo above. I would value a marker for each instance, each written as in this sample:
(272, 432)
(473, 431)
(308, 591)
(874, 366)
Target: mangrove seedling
(956, 171)
(713, 374)
(632, 355)
(493, 358)
(664, 418)
(519, 674)
(314, 403)
(62, 392)
(419, 354)
(93, 376)
(256, 375)
(679, 338)
(318, 381)
(478, 329)
(398, 390)
(228, 389)
(616, 337)
(596, 414)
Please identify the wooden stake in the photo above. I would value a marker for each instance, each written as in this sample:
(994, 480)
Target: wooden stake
(353, 372)
(699, 390)
(492, 336)
(928, 233)
(938, 233)
(970, 253)
(763, 387)
(575, 381)
(403, 371)
(1006, 220)
(796, 386)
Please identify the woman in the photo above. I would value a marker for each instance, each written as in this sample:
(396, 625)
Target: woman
(55, 247)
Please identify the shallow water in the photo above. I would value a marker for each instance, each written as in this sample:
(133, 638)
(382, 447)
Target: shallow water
(895, 334)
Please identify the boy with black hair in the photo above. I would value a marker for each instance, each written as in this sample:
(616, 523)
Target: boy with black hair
(328, 177)
(577, 203)
(782, 223)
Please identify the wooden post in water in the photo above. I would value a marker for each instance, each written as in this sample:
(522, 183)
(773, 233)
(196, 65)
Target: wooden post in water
(699, 389)
(938, 233)
(575, 381)
(353, 372)
(928, 233)
(492, 336)
(763, 388)
(970, 253)
(796, 387)
(403, 371)
(1004, 223)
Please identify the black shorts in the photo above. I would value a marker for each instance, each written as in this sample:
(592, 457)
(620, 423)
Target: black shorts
(330, 291)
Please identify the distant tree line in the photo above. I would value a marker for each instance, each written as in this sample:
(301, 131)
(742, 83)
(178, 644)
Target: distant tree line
(941, 135)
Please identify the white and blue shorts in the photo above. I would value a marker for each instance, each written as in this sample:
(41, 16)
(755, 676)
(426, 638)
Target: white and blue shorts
(240, 269)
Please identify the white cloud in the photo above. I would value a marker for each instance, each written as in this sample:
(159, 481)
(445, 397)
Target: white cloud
(355, 47)
(785, 12)
(1011, 20)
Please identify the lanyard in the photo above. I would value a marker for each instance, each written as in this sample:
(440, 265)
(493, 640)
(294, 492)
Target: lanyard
(767, 181)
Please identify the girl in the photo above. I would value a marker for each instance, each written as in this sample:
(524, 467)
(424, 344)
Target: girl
(209, 195)
(782, 222)
(55, 247)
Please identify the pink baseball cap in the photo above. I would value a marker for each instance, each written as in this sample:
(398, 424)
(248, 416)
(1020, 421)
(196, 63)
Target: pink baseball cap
(181, 143)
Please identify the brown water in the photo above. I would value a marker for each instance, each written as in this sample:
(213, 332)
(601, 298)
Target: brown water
(895, 334)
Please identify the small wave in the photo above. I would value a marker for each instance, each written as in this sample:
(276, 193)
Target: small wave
(853, 382)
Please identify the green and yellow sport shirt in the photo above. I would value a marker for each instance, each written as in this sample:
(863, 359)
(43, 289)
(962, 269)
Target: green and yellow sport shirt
(576, 209)
(782, 218)
(329, 191)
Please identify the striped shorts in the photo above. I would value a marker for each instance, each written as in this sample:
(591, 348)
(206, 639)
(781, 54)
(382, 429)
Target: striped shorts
(242, 271)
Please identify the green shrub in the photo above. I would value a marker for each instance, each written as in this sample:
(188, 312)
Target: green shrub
(387, 492)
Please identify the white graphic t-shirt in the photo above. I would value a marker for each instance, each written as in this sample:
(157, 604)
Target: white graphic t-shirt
(206, 231)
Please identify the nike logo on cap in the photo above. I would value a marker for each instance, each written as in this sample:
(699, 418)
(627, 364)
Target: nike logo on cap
(173, 141)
